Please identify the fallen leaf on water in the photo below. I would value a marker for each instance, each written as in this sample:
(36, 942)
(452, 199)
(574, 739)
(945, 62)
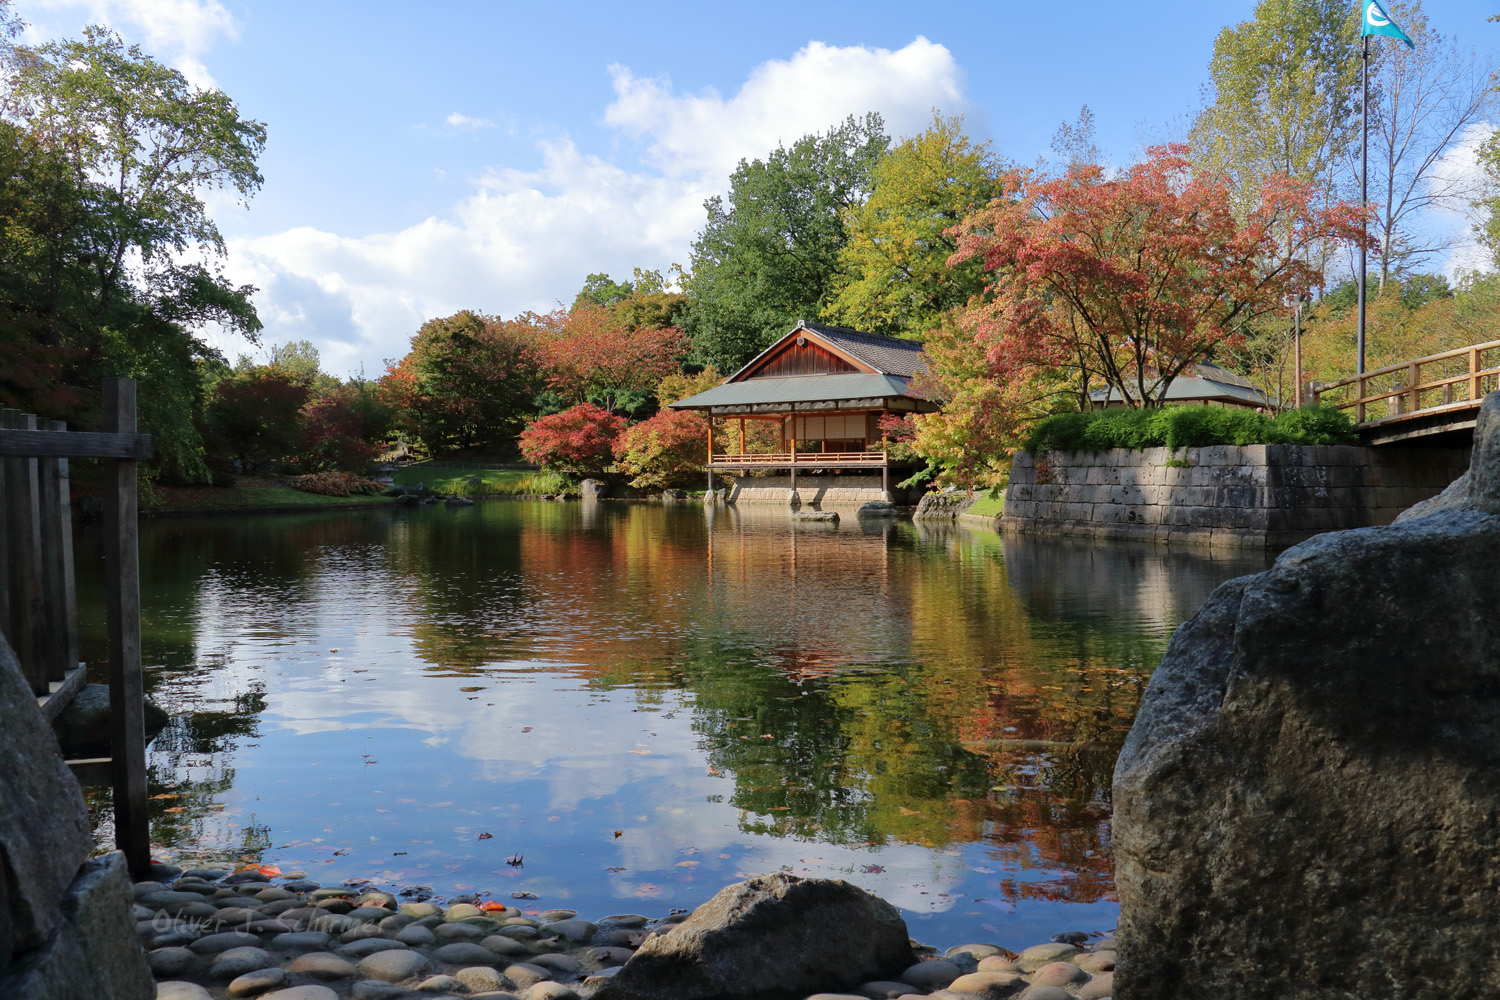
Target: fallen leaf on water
(686, 864)
(397, 854)
(486, 836)
(525, 729)
(616, 868)
(523, 895)
(619, 834)
(646, 889)
(638, 751)
(335, 650)
(166, 795)
(175, 809)
(872, 869)
(491, 905)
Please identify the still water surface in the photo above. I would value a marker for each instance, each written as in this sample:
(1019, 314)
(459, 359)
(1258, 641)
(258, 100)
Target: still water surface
(645, 703)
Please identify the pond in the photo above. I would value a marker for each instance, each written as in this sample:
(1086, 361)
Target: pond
(639, 704)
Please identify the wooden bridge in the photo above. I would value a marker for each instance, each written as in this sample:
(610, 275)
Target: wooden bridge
(1433, 397)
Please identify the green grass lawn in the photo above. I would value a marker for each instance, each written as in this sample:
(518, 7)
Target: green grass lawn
(248, 492)
(987, 506)
(491, 481)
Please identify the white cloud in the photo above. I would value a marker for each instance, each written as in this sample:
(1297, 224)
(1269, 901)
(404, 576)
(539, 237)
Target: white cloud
(178, 31)
(1460, 177)
(459, 120)
(526, 239)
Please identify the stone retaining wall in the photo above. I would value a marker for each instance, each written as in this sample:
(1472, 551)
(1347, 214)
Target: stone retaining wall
(812, 489)
(1250, 496)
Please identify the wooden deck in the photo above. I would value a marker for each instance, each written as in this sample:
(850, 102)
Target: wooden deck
(1438, 394)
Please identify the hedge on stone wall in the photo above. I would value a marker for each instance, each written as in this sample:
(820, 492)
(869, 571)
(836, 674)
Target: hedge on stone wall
(1188, 427)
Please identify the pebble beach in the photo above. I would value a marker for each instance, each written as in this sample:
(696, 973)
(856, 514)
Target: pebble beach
(212, 933)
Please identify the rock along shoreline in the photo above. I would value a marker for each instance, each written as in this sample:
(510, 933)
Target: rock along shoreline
(212, 933)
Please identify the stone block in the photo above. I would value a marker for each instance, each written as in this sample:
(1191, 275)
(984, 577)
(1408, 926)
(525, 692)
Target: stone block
(44, 825)
(92, 950)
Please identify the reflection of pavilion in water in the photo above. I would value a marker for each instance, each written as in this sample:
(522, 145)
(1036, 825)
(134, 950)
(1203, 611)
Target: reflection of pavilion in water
(813, 597)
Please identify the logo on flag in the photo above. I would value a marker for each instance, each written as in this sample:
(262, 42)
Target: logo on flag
(1378, 22)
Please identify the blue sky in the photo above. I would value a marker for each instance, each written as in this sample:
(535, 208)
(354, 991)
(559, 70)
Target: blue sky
(423, 159)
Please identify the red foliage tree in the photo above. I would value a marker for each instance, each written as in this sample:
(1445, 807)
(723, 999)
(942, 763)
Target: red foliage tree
(1133, 278)
(579, 440)
(591, 354)
(341, 430)
(668, 450)
(255, 417)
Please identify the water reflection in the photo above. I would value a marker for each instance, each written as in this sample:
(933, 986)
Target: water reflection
(650, 701)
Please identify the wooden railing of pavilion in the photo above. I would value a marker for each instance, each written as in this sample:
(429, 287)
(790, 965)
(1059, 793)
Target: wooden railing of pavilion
(783, 459)
(1453, 381)
(38, 610)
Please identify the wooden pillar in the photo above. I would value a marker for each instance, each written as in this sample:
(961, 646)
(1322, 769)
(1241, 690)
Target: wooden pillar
(1414, 379)
(793, 455)
(24, 559)
(60, 603)
(1473, 375)
(123, 611)
(742, 436)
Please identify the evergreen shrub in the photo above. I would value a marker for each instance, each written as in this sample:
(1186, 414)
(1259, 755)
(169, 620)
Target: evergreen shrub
(1189, 427)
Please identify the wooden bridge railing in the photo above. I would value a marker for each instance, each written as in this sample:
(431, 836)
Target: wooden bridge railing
(38, 610)
(1456, 379)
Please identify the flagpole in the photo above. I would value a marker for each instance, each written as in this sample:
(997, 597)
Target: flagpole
(1364, 195)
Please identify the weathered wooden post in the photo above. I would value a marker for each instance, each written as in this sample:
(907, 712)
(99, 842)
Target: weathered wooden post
(61, 600)
(24, 558)
(123, 609)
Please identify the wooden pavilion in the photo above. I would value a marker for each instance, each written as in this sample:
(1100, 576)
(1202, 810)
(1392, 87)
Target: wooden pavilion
(825, 389)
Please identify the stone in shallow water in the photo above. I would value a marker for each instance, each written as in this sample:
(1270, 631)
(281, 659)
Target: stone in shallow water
(223, 941)
(551, 991)
(321, 965)
(1097, 961)
(459, 932)
(169, 961)
(1098, 988)
(1046, 993)
(524, 974)
(1036, 956)
(482, 979)
(257, 982)
(238, 961)
(394, 966)
(370, 946)
(997, 963)
(576, 931)
(933, 975)
(303, 993)
(884, 990)
(368, 913)
(1059, 974)
(465, 953)
(502, 944)
(182, 991)
(440, 984)
(375, 989)
(416, 936)
(990, 985)
(566, 964)
(302, 941)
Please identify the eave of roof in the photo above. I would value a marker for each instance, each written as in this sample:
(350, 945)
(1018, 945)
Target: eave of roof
(886, 355)
(798, 389)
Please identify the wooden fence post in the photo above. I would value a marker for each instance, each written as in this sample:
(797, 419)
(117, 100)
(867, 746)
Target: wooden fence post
(25, 560)
(123, 583)
(61, 604)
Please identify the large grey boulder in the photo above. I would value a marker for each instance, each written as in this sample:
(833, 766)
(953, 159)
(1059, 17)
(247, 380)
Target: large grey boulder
(44, 825)
(1308, 804)
(944, 506)
(772, 937)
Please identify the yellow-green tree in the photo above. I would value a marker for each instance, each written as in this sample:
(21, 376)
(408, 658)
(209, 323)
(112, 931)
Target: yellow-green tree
(893, 272)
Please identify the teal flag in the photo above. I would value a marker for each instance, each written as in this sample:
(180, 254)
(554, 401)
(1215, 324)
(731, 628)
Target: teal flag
(1378, 22)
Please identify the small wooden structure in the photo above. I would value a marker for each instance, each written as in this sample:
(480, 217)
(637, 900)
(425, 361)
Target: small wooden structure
(1436, 395)
(825, 388)
(38, 612)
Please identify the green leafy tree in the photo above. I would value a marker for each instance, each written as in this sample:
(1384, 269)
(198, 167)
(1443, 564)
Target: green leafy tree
(893, 271)
(1285, 96)
(768, 254)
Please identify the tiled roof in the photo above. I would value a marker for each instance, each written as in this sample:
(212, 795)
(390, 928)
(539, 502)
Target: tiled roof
(887, 355)
(797, 389)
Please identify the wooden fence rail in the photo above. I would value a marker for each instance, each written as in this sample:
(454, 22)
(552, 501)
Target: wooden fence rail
(1456, 379)
(38, 604)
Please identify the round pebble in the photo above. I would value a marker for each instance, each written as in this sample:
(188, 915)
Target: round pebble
(933, 975)
(257, 982)
(420, 909)
(320, 965)
(482, 979)
(213, 943)
(440, 984)
(370, 946)
(465, 953)
(376, 989)
(524, 974)
(997, 963)
(459, 932)
(1059, 974)
(1098, 988)
(988, 985)
(182, 991)
(462, 911)
(1096, 961)
(394, 966)
(304, 993)
(571, 929)
(502, 944)
(558, 962)
(1035, 957)
(369, 914)
(417, 937)
(302, 941)
(237, 961)
(550, 991)
(884, 990)
(1045, 993)
(169, 962)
